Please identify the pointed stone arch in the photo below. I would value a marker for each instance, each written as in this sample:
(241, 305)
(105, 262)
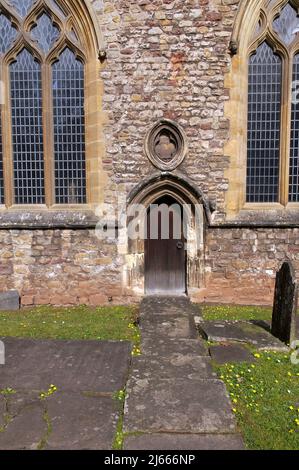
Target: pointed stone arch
(85, 16)
(253, 26)
(166, 183)
(197, 213)
(80, 32)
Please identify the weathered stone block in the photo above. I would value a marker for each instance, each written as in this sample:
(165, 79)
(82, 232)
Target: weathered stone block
(9, 300)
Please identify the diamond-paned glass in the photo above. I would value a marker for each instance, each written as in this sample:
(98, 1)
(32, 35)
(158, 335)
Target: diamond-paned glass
(69, 129)
(264, 118)
(22, 6)
(7, 33)
(294, 149)
(45, 33)
(287, 24)
(27, 131)
(1, 165)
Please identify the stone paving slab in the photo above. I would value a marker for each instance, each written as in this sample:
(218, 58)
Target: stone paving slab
(156, 305)
(82, 414)
(19, 400)
(174, 326)
(66, 420)
(184, 442)
(175, 366)
(26, 430)
(240, 331)
(156, 346)
(70, 365)
(225, 353)
(177, 405)
(82, 422)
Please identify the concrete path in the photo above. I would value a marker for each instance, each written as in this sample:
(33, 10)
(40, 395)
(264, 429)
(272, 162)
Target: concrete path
(82, 414)
(174, 400)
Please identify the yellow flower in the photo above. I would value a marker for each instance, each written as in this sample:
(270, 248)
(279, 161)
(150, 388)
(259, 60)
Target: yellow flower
(257, 355)
(291, 407)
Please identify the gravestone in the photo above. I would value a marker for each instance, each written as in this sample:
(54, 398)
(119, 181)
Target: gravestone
(285, 304)
(9, 300)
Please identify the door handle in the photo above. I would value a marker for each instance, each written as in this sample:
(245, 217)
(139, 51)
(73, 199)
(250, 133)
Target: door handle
(180, 245)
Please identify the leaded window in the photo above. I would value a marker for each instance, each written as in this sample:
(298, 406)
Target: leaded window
(42, 119)
(69, 146)
(273, 106)
(264, 113)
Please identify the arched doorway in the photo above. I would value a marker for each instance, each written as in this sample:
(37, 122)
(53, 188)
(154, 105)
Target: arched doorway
(168, 188)
(165, 248)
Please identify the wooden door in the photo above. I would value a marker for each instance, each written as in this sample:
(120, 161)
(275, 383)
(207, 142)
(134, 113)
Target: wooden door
(165, 255)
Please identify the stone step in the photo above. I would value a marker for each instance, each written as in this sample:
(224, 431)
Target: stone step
(167, 306)
(177, 405)
(184, 442)
(176, 366)
(174, 326)
(156, 346)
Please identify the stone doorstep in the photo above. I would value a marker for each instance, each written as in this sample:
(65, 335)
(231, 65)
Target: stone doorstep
(164, 441)
(178, 405)
(167, 306)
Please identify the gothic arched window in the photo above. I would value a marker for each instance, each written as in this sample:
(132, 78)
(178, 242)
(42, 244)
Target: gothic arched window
(273, 106)
(43, 60)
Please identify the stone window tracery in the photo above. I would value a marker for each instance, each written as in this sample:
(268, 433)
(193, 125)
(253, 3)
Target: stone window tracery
(43, 61)
(273, 106)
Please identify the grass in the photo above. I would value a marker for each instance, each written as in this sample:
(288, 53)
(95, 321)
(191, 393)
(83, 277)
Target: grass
(265, 398)
(118, 442)
(236, 312)
(102, 323)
